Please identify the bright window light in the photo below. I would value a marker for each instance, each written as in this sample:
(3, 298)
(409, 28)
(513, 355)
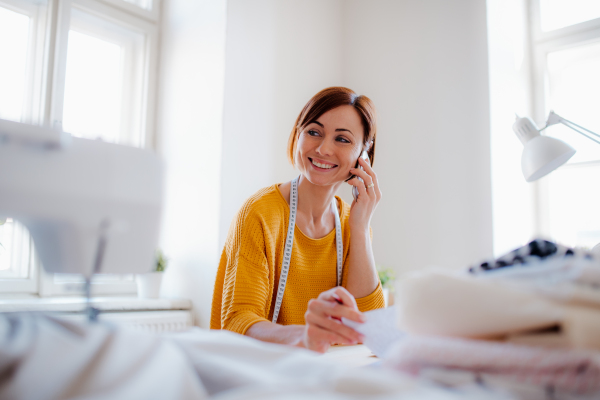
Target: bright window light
(14, 37)
(93, 88)
(145, 4)
(574, 84)
(6, 238)
(556, 14)
(573, 205)
(14, 250)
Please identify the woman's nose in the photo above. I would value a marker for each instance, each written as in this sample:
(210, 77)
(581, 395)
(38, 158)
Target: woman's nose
(326, 147)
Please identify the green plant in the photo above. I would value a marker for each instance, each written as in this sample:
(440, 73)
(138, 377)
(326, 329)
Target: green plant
(161, 261)
(386, 276)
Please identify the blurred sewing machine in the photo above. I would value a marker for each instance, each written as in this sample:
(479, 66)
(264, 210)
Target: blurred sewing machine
(90, 206)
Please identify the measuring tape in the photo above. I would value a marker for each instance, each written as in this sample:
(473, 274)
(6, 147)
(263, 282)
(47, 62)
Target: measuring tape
(289, 242)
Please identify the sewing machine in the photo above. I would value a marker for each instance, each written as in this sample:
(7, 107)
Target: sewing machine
(90, 206)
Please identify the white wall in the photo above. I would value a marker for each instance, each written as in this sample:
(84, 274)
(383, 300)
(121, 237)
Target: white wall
(423, 63)
(279, 54)
(425, 66)
(189, 126)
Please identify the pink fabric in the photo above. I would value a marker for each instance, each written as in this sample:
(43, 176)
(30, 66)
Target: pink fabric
(569, 370)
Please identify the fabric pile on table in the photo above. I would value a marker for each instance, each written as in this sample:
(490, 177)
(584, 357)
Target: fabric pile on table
(529, 317)
(45, 357)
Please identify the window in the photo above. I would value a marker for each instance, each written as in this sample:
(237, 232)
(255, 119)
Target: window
(90, 67)
(565, 43)
(556, 14)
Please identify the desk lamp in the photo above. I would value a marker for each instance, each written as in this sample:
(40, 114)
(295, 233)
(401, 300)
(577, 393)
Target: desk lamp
(543, 154)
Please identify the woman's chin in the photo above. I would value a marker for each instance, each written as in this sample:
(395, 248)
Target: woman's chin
(319, 178)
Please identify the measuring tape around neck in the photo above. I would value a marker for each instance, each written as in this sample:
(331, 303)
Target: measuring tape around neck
(289, 242)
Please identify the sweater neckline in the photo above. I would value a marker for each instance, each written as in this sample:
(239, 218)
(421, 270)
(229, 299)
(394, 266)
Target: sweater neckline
(326, 237)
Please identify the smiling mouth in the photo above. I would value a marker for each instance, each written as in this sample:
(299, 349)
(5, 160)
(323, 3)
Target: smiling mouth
(321, 165)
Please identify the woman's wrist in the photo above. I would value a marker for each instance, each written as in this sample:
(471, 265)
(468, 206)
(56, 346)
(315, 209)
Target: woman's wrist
(283, 334)
(360, 231)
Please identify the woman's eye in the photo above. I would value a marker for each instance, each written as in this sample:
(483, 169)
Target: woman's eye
(342, 139)
(313, 133)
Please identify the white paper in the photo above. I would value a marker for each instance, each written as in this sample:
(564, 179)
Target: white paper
(380, 329)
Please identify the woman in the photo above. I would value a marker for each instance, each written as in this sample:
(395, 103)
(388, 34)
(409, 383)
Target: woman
(293, 286)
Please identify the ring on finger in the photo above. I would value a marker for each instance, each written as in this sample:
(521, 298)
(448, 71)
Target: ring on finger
(370, 185)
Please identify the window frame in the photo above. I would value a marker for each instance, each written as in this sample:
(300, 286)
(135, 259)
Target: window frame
(29, 285)
(33, 112)
(541, 44)
(36, 53)
(45, 96)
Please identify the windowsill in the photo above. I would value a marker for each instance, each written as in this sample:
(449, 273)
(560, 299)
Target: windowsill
(78, 304)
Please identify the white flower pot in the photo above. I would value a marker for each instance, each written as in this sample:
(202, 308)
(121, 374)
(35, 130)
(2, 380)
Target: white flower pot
(148, 285)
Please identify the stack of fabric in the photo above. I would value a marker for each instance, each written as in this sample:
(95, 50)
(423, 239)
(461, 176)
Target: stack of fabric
(531, 316)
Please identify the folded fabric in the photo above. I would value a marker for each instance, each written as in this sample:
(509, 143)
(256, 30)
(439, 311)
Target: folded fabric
(565, 370)
(579, 329)
(446, 304)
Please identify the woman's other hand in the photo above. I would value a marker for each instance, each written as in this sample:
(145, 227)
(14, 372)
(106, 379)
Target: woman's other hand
(369, 195)
(323, 320)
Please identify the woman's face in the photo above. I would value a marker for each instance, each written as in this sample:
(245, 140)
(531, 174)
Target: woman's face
(328, 147)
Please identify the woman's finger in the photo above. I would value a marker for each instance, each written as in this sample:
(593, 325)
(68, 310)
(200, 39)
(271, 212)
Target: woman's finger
(345, 297)
(362, 189)
(333, 309)
(368, 169)
(338, 293)
(318, 339)
(373, 176)
(347, 334)
(363, 175)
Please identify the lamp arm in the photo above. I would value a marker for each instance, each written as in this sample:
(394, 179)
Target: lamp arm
(554, 119)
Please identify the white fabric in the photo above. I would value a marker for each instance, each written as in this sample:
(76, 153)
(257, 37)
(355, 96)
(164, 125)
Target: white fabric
(236, 367)
(445, 304)
(47, 358)
(565, 370)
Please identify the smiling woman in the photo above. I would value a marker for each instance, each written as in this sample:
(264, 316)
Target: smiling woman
(330, 99)
(298, 258)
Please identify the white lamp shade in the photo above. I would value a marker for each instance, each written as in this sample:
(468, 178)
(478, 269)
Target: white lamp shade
(542, 155)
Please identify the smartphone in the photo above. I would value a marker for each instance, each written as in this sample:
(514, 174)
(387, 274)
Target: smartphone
(365, 157)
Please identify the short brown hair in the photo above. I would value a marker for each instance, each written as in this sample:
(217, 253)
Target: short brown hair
(328, 99)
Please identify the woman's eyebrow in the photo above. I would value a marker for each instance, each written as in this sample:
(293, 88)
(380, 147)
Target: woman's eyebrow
(344, 129)
(337, 130)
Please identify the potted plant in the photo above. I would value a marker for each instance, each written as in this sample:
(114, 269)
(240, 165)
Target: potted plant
(387, 277)
(148, 284)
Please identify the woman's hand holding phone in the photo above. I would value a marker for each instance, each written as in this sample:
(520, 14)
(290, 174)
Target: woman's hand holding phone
(369, 195)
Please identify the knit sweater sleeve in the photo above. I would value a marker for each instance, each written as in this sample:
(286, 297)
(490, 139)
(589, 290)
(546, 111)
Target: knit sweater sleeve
(246, 281)
(372, 301)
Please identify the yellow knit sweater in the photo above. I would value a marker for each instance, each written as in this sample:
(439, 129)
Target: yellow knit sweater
(248, 274)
